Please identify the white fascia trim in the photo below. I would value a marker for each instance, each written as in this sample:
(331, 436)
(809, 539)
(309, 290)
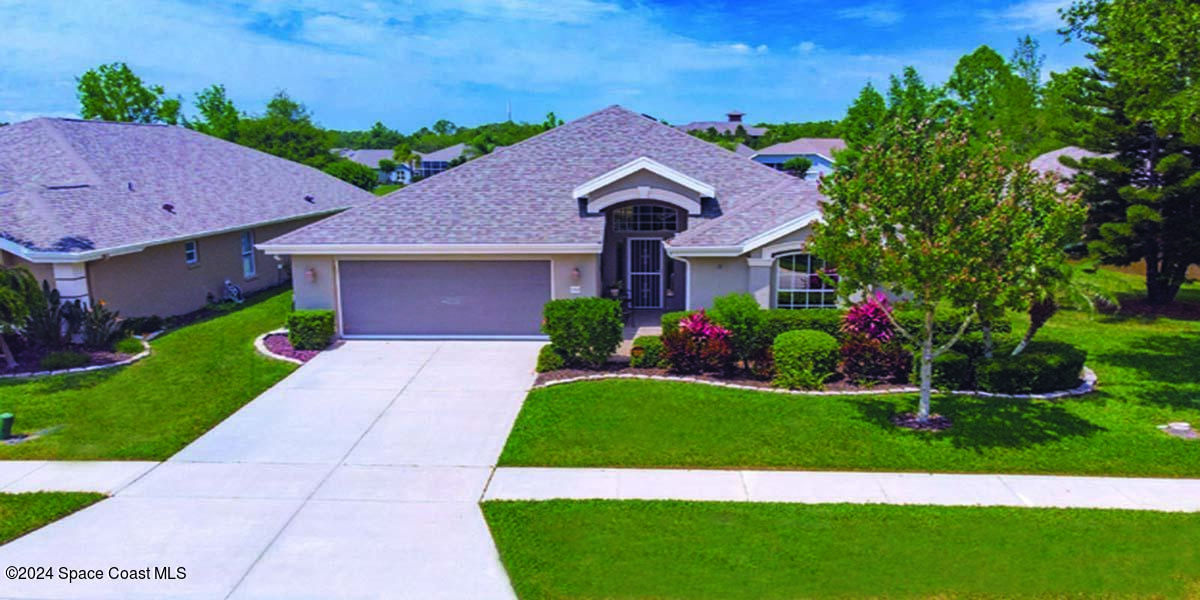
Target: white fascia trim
(402, 249)
(643, 163)
(35, 256)
(751, 244)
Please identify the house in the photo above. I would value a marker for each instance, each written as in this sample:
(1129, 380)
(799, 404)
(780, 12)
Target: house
(150, 219)
(818, 150)
(371, 157)
(437, 161)
(733, 120)
(611, 197)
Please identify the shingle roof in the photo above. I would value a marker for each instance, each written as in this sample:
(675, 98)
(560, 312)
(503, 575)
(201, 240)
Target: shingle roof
(522, 194)
(724, 127)
(82, 186)
(1050, 163)
(823, 146)
(445, 154)
(368, 156)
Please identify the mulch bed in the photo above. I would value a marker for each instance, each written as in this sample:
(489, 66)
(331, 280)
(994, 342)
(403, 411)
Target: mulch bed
(621, 368)
(278, 343)
(30, 359)
(909, 421)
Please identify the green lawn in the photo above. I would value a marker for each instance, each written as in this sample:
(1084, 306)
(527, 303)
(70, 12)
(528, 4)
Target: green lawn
(22, 513)
(1149, 373)
(196, 376)
(696, 550)
(383, 190)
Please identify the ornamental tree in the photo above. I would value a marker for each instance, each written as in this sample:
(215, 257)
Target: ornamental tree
(18, 293)
(927, 214)
(114, 92)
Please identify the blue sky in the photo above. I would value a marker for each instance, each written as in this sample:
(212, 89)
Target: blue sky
(410, 63)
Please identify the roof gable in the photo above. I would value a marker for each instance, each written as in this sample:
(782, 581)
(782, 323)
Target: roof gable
(644, 164)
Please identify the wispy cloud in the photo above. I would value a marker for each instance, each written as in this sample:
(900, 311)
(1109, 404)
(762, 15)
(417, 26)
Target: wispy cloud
(1031, 15)
(875, 13)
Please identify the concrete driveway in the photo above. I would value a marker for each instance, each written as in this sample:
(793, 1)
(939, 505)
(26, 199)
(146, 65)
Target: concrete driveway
(356, 477)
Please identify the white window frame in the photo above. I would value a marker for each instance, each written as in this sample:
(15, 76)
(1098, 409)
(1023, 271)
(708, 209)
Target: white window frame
(808, 292)
(247, 248)
(192, 248)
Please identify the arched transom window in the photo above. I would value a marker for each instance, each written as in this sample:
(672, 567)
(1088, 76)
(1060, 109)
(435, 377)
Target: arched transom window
(644, 217)
(799, 284)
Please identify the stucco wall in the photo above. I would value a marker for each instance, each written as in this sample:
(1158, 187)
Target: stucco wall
(158, 281)
(712, 277)
(319, 291)
(43, 272)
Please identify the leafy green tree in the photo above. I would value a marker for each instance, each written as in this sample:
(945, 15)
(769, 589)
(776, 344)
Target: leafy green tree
(993, 97)
(218, 116)
(1027, 61)
(286, 130)
(551, 121)
(403, 154)
(18, 294)
(388, 166)
(785, 132)
(938, 238)
(798, 166)
(1053, 289)
(353, 173)
(1144, 194)
(113, 92)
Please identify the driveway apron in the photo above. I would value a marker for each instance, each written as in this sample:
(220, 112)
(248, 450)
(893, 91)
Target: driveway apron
(358, 476)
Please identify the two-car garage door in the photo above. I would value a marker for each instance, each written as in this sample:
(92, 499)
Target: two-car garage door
(443, 298)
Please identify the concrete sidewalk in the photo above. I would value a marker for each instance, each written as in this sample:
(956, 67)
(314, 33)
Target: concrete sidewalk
(812, 487)
(106, 477)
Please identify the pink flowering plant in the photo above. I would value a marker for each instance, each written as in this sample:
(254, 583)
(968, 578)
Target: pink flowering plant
(699, 346)
(870, 318)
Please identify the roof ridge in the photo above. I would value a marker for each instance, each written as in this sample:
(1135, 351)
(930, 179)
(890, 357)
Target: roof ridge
(49, 125)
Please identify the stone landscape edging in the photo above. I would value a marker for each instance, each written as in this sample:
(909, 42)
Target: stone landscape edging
(1086, 387)
(260, 345)
(122, 363)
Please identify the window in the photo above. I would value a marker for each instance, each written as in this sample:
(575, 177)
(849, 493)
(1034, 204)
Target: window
(798, 282)
(191, 252)
(248, 266)
(644, 218)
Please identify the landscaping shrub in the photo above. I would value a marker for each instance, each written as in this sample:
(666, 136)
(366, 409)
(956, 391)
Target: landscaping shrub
(143, 325)
(310, 329)
(648, 353)
(870, 318)
(780, 320)
(804, 359)
(129, 346)
(741, 314)
(101, 327)
(1043, 367)
(945, 322)
(584, 331)
(866, 360)
(698, 345)
(44, 326)
(56, 361)
(549, 359)
(670, 321)
(953, 371)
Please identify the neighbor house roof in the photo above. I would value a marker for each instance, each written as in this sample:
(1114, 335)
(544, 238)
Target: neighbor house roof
(724, 127)
(74, 189)
(445, 154)
(523, 194)
(820, 146)
(1050, 162)
(368, 156)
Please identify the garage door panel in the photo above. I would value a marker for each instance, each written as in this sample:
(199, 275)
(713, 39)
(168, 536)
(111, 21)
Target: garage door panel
(451, 298)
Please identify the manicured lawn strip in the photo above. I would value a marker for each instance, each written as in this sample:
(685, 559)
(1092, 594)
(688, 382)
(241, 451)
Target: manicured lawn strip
(196, 377)
(1149, 371)
(383, 190)
(22, 513)
(639, 549)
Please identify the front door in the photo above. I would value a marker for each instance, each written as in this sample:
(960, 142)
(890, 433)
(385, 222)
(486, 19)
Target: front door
(645, 272)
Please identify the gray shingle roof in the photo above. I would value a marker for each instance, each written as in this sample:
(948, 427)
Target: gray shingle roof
(522, 194)
(69, 185)
(1050, 163)
(369, 157)
(823, 146)
(724, 127)
(445, 154)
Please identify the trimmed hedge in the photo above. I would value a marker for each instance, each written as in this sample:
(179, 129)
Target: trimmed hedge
(57, 361)
(549, 359)
(584, 331)
(1043, 367)
(670, 321)
(952, 371)
(804, 359)
(310, 329)
(781, 320)
(648, 353)
(946, 322)
(743, 317)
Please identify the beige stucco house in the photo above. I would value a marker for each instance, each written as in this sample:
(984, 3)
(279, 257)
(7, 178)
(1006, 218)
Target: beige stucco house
(614, 199)
(150, 219)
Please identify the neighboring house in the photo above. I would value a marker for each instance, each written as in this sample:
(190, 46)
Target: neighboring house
(1051, 162)
(730, 125)
(150, 219)
(611, 197)
(438, 161)
(371, 157)
(818, 150)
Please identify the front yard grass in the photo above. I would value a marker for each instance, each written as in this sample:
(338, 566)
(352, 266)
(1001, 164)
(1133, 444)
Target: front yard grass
(643, 549)
(1149, 370)
(23, 513)
(196, 377)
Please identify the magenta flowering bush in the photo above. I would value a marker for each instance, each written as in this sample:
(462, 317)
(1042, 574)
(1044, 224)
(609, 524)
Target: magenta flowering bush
(698, 346)
(700, 325)
(870, 318)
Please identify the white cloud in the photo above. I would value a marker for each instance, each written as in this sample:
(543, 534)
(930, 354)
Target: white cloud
(1032, 15)
(875, 13)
